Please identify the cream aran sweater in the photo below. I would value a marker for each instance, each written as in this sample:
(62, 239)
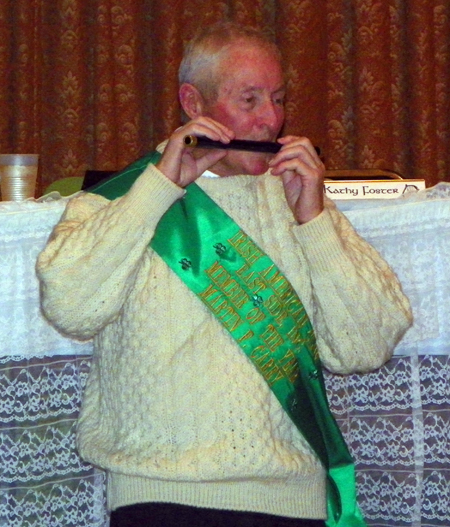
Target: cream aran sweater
(173, 409)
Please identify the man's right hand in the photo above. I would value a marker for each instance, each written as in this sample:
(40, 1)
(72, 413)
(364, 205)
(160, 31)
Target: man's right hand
(183, 164)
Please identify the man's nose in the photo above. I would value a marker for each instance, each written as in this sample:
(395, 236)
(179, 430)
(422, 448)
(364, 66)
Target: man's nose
(271, 114)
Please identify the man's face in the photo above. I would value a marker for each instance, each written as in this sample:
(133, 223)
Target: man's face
(250, 102)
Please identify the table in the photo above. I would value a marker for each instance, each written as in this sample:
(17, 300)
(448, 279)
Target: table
(396, 420)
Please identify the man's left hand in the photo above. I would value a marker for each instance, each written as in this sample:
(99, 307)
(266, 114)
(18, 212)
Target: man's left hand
(302, 173)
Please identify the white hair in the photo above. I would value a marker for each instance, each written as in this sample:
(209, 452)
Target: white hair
(204, 54)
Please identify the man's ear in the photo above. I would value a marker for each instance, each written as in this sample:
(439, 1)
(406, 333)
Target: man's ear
(191, 100)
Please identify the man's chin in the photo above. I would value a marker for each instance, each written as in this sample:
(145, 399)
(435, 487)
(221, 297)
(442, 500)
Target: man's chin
(257, 171)
(257, 164)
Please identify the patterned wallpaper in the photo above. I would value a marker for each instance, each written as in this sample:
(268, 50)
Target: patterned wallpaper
(94, 84)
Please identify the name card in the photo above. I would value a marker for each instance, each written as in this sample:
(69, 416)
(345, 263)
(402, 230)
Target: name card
(388, 189)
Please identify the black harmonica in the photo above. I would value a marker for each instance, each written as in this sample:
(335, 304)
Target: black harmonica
(267, 147)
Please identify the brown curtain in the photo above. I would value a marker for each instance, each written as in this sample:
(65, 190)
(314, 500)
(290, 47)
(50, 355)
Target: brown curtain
(92, 83)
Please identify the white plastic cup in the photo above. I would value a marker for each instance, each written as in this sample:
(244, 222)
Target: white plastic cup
(18, 175)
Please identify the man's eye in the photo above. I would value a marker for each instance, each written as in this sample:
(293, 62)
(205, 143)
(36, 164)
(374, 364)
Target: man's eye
(249, 100)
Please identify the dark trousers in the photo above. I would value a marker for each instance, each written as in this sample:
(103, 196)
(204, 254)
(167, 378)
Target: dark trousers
(172, 515)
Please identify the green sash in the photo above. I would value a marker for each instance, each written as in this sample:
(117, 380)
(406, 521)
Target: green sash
(252, 299)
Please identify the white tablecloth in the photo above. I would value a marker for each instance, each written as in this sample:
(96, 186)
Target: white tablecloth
(24, 230)
(413, 235)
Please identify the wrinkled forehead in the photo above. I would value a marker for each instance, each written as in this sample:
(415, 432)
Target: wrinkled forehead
(243, 47)
(247, 60)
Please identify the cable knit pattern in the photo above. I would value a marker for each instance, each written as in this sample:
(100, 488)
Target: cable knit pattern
(173, 408)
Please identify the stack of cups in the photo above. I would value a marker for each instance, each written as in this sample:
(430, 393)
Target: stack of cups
(18, 175)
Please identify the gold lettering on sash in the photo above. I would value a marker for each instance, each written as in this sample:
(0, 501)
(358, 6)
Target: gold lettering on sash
(276, 309)
(271, 372)
(221, 308)
(226, 297)
(293, 305)
(276, 280)
(255, 315)
(272, 338)
(246, 247)
(295, 335)
(267, 366)
(300, 316)
(308, 339)
(251, 278)
(289, 365)
(224, 281)
(283, 289)
(245, 337)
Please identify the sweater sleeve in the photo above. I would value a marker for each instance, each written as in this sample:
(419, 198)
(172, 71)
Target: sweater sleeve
(89, 263)
(359, 311)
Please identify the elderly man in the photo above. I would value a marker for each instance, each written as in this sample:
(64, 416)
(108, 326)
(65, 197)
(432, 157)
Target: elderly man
(213, 297)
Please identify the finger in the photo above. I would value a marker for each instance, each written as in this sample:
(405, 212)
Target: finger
(299, 161)
(298, 166)
(205, 126)
(303, 144)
